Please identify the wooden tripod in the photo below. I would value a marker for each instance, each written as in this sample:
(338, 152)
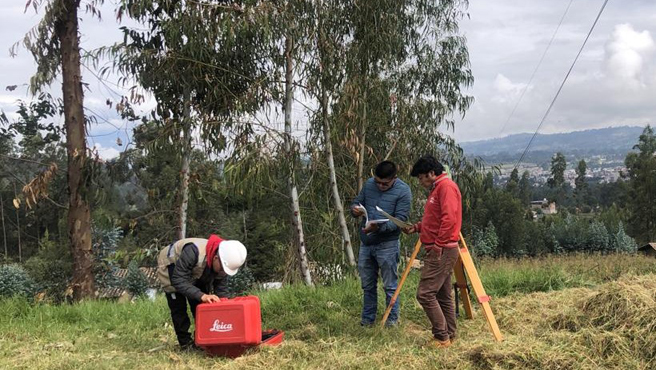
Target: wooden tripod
(464, 264)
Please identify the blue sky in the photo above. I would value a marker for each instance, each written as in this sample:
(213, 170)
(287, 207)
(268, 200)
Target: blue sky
(613, 84)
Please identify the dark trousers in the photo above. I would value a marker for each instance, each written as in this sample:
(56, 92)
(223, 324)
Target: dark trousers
(434, 292)
(181, 323)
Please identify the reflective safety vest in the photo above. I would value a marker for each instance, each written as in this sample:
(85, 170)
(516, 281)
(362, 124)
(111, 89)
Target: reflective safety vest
(170, 254)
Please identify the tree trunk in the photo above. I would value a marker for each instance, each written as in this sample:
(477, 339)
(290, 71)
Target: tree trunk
(363, 136)
(4, 231)
(297, 221)
(79, 215)
(18, 228)
(346, 237)
(184, 171)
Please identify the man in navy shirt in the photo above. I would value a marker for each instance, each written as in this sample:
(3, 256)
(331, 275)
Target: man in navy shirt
(379, 249)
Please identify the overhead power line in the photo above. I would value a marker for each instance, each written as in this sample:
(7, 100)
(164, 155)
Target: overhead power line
(603, 6)
(521, 96)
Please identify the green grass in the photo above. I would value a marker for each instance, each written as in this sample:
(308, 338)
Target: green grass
(506, 276)
(322, 326)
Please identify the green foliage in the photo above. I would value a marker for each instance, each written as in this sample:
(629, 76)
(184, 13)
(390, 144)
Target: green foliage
(507, 215)
(330, 333)
(30, 126)
(51, 268)
(581, 190)
(525, 189)
(597, 237)
(558, 167)
(641, 167)
(621, 242)
(135, 281)
(557, 180)
(512, 186)
(105, 241)
(241, 283)
(486, 242)
(14, 281)
(505, 281)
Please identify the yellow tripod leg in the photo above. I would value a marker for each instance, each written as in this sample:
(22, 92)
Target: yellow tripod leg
(398, 288)
(483, 298)
(461, 283)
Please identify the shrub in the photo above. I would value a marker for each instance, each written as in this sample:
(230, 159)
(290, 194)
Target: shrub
(486, 242)
(14, 281)
(241, 282)
(597, 237)
(621, 242)
(51, 268)
(135, 281)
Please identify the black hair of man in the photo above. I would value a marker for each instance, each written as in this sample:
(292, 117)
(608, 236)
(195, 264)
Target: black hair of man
(385, 170)
(426, 164)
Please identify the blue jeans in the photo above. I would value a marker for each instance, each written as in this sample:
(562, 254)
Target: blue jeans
(383, 257)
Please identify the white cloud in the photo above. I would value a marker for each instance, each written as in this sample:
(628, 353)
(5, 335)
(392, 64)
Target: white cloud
(106, 153)
(627, 54)
(612, 84)
(508, 92)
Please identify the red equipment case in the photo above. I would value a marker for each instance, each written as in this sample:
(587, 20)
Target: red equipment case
(231, 326)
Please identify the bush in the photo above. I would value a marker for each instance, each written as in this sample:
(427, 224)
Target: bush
(135, 281)
(51, 268)
(486, 242)
(623, 243)
(14, 281)
(241, 282)
(51, 276)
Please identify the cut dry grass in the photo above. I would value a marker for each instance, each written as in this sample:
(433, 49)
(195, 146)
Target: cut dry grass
(609, 326)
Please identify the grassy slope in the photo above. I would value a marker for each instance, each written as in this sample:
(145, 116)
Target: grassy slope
(612, 325)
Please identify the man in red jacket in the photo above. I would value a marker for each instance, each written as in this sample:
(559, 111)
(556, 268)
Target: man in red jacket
(439, 232)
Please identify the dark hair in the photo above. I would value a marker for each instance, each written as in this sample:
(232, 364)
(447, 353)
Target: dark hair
(425, 165)
(385, 170)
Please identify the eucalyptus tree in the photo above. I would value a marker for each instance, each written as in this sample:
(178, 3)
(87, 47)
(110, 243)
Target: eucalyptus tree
(581, 190)
(406, 67)
(641, 167)
(55, 45)
(512, 186)
(200, 61)
(525, 189)
(557, 180)
(326, 75)
(289, 23)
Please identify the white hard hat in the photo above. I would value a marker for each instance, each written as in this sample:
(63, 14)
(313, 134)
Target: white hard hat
(232, 254)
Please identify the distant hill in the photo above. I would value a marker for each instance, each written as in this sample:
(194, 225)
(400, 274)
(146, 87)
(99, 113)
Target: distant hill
(611, 142)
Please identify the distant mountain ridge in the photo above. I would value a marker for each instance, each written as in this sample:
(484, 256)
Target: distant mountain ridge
(604, 141)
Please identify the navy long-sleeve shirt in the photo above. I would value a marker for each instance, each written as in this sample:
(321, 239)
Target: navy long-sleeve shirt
(396, 201)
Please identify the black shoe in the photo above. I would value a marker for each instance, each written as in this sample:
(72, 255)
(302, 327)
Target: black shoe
(367, 324)
(190, 347)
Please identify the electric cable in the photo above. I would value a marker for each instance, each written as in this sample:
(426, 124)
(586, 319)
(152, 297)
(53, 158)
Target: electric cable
(603, 6)
(521, 96)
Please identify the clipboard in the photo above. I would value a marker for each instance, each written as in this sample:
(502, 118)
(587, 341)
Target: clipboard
(396, 221)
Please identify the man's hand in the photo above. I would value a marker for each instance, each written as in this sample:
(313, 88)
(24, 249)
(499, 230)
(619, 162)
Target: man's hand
(209, 298)
(357, 211)
(409, 230)
(371, 228)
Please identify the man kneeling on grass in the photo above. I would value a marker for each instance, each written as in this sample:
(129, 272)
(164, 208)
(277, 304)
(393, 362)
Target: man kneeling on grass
(439, 232)
(189, 270)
